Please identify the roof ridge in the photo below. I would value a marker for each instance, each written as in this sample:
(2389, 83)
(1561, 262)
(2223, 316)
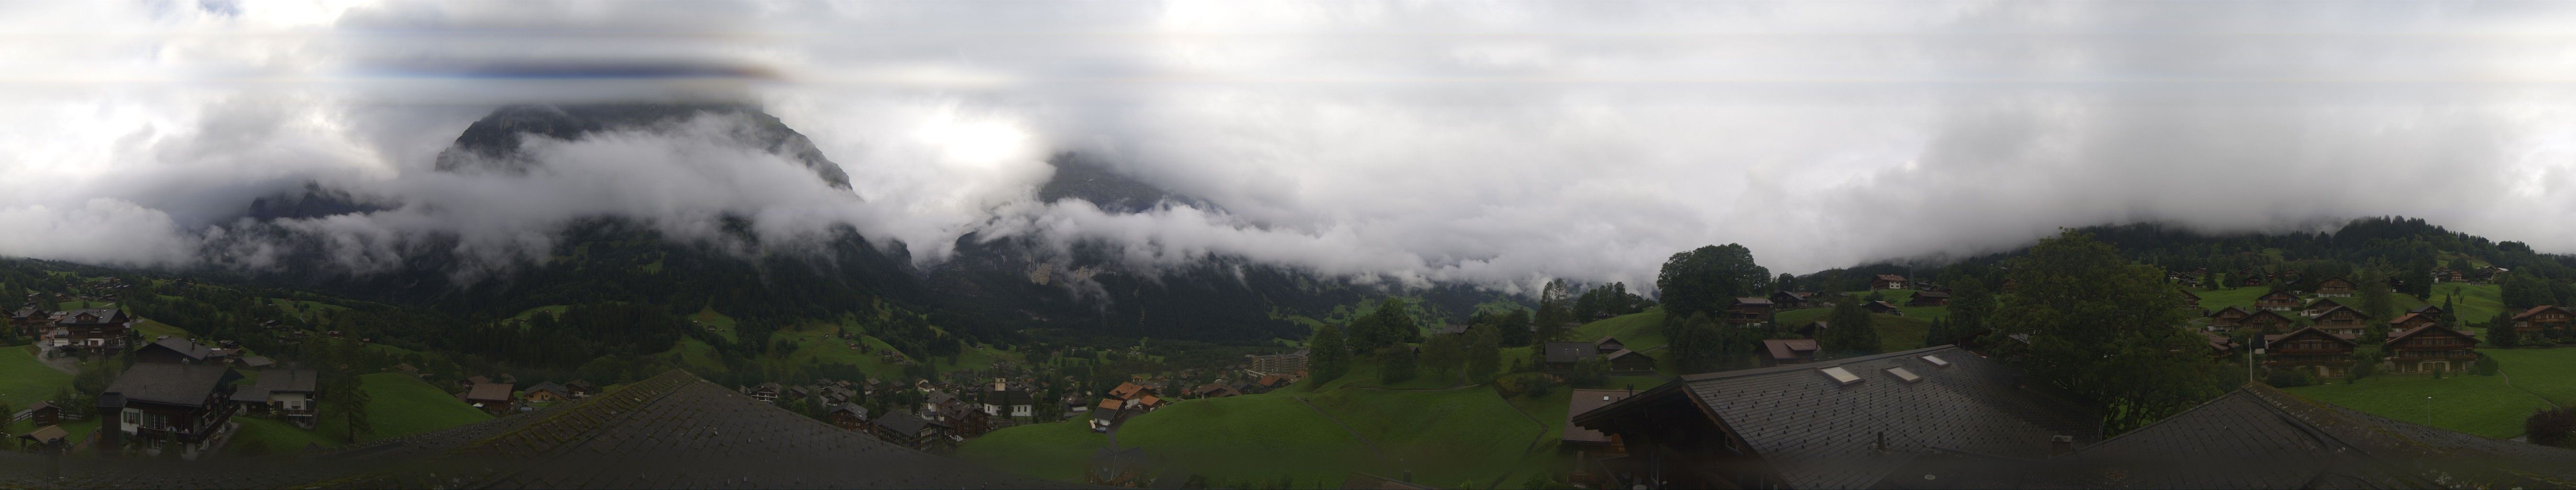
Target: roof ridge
(1802, 367)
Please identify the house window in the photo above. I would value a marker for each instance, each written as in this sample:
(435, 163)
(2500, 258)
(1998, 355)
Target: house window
(156, 421)
(133, 417)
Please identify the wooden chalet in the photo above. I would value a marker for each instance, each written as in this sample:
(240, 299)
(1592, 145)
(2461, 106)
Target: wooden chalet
(2277, 300)
(2227, 319)
(1608, 343)
(1847, 423)
(2341, 321)
(492, 398)
(2427, 310)
(1929, 298)
(1589, 447)
(1107, 413)
(1788, 351)
(2336, 287)
(547, 392)
(1749, 311)
(2541, 319)
(1214, 390)
(2309, 349)
(95, 329)
(581, 388)
(911, 431)
(1791, 300)
(2220, 346)
(2266, 321)
(161, 405)
(848, 416)
(1628, 361)
(2188, 299)
(1887, 281)
(1561, 357)
(2429, 348)
(283, 393)
(178, 351)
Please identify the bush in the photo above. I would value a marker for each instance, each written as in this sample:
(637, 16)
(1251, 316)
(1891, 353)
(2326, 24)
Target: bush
(1525, 384)
(2486, 365)
(2550, 426)
(2285, 378)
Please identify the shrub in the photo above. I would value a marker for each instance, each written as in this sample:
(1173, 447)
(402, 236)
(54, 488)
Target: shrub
(2486, 365)
(2285, 378)
(2550, 426)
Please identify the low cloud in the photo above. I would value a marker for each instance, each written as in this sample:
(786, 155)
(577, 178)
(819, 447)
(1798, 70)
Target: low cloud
(1496, 144)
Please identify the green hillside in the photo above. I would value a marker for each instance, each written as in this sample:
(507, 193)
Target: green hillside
(399, 404)
(25, 380)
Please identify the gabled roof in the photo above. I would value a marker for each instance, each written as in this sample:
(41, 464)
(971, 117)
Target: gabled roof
(101, 316)
(1126, 391)
(1815, 432)
(1584, 401)
(2347, 339)
(1890, 277)
(287, 380)
(488, 392)
(1624, 354)
(2402, 319)
(2333, 309)
(1763, 301)
(2262, 437)
(853, 409)
(183, 347)
(2537, 309)
(2346, 282)
(2424, 329)
(2215, 313)
(551, 387)
(1930, 294)
(2328, 302)
(2277, 294)
(903, 423)
(171, 384)
(2249, 317)
(1788, 348)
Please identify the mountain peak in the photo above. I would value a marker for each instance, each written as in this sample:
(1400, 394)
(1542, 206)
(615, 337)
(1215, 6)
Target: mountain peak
(495, 142)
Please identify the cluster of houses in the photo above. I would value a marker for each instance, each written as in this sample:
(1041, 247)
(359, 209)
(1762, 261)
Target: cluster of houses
(83, 331)
(179, 397)
(2331, 331)
(503, 394)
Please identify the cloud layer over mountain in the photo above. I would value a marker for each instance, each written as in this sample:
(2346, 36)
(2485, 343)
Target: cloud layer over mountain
(1496, 143)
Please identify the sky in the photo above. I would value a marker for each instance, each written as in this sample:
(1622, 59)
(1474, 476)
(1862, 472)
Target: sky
(1495, 143)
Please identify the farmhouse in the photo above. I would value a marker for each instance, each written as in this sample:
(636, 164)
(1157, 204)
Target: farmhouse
(1929, 298)
(2188, 299)
(1628, 361)
(2341, 321)
(2227, 319)
(1002, 401)
(2540, 319)
(913, 432)
(1749, 311)
(1763, 427)
(41, 413)
(2319, 306)
(2309, 349)
(546, 392)
(2277, 300)
(2220, 346)
(2335, 287)
(1887, 281)
(95, 329)
(1791, 300)
(286, 393)
(848, 416)
(1608, 343)
(2429, 348)
(1562, 356)
(492, 398)
(161, 405)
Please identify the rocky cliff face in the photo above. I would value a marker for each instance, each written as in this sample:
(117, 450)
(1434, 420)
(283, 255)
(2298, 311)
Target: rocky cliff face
(494, 143)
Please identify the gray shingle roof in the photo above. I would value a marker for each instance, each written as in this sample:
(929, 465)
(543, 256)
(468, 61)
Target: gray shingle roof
(1817, 433)
(174, 384)
(1571, 351)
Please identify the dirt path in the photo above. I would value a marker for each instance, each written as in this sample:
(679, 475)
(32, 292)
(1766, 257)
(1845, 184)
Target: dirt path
(68, 365)
(1355, 433)
(1533, 444)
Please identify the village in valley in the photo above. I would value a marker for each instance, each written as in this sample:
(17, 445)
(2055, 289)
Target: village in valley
(1576, 391)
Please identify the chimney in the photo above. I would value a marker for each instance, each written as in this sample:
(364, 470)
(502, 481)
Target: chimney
(2060, 445)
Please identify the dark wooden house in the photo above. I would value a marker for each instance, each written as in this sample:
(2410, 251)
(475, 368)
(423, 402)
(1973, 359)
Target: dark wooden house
(2429, 348)
(2277, 301)
(2335, 287)
(95, 329)
(1788, 351)
(2544, 318)
(161, 405)
(2341, 321)
(1887, 281)
(2329, 355)
(2227, 319)
(2266, 321)
(1929, 298)
(1749, 311)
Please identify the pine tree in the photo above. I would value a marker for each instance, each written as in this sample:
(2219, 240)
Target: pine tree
(2500, 331)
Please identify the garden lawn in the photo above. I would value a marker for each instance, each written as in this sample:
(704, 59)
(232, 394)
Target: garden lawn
(1244, 438)
(263, 436)
(399, 404)
(710, 318)
(2482, 405)
(25, 380)
(1640, 331)
(2243, 297)
(154, 330)
(1053, 451)
(2549, 373)
(1895, 333)
(1445, 437)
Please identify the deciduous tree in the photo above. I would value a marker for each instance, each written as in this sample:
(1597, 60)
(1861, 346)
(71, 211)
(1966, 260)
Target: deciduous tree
(2103, 329)
(1706, 279)
(1327, 356)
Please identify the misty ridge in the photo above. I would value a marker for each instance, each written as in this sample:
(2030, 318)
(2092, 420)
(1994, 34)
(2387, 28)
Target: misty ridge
(1306, 143)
